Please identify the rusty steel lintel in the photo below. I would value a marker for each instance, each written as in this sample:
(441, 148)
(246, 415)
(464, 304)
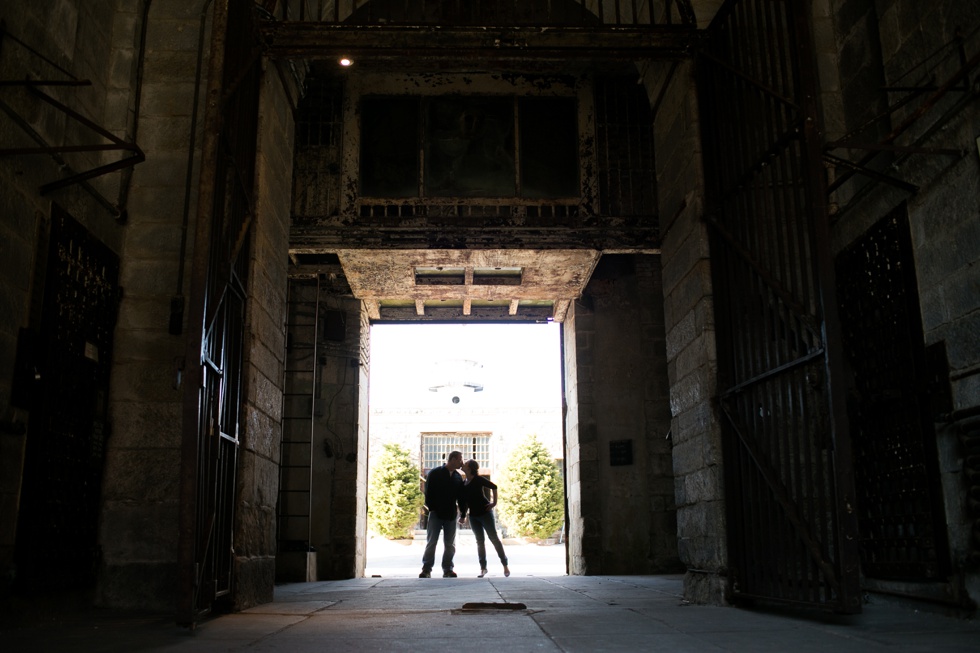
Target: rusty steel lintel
(326, 239)
(458, 313)
(323, 40)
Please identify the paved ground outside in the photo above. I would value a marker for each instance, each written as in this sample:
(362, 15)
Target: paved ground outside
(403, 558)
(538, 608)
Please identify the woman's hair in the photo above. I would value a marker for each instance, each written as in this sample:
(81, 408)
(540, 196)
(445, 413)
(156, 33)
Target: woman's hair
(472, 465)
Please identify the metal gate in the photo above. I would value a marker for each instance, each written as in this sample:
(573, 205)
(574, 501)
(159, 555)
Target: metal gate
(66, 389)
(900, 501)
(791, 521)
(216, 319)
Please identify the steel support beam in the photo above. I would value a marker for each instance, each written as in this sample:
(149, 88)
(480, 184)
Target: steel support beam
(487, 44)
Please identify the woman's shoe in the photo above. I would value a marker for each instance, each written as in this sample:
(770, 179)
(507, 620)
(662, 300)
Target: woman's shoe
(483, 572)
(506, 571)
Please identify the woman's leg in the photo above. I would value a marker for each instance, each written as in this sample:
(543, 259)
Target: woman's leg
(476, 523)
(494, 538)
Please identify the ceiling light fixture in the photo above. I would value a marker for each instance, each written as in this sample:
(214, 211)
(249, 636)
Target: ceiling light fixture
(345, 62)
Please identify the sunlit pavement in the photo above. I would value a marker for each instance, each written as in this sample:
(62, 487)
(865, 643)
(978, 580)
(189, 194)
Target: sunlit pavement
(538, 608)
(403, 558)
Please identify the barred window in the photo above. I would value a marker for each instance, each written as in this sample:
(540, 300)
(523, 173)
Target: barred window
(436, 446)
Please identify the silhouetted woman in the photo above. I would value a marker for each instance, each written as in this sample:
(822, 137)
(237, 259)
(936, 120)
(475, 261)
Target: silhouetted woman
(481, 514)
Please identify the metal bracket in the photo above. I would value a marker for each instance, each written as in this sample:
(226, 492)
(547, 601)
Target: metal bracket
(33, 87)
(959, 81)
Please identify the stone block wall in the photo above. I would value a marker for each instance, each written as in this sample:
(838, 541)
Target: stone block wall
(259, 451)
(339, 452)
(623, 398)
(363, 443)
(141, 488)
(92, 42)
(581, 453)
(908, 43)
(690, 339)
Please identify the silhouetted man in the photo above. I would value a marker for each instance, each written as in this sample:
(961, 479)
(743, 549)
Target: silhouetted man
(443, 493)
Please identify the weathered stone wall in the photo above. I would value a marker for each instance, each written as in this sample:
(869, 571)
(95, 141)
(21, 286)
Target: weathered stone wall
(363, 457)
(581, 484)
(627, 395)
(691, 357)
(139, 521)
(259, 451)
(621, 518)
(339, 453)
(99, 43)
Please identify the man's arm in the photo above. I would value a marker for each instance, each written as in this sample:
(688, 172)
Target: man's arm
(461, 501)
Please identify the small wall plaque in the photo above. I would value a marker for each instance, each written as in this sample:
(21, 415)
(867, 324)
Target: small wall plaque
(621, 452)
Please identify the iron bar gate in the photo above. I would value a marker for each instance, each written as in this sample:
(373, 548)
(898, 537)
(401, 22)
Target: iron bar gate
(216, 318)
(892, 411)
(791, 519)
(64, 382)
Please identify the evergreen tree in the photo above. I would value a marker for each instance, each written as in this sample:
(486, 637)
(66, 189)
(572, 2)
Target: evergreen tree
(532, 494)
(394, 497)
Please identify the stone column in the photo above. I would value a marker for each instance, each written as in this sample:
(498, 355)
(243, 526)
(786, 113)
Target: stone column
(691, 355)
(259, 449)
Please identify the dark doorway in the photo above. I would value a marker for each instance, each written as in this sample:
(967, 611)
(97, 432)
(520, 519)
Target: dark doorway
(903, 528)
(67, 360)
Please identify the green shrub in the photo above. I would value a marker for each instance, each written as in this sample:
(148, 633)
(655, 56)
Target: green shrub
(532, 494)
(394, 497)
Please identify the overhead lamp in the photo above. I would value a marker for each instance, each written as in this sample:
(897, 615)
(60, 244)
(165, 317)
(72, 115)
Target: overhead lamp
(346, 61)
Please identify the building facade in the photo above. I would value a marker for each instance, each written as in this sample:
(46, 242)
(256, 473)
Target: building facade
(757, 221)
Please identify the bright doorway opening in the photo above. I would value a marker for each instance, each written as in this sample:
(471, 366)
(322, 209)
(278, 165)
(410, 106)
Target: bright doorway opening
(480, 388)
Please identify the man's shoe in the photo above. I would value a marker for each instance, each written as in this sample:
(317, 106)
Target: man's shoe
(425, 574)
(449, 574)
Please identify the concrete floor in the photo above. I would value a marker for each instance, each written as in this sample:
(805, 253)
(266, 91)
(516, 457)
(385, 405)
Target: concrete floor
(399, 612)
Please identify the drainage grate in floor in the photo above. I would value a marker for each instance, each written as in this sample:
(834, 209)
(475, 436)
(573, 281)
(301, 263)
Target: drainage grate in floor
(470, 607)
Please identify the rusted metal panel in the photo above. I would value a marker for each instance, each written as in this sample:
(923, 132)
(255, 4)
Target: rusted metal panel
(789, 482)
